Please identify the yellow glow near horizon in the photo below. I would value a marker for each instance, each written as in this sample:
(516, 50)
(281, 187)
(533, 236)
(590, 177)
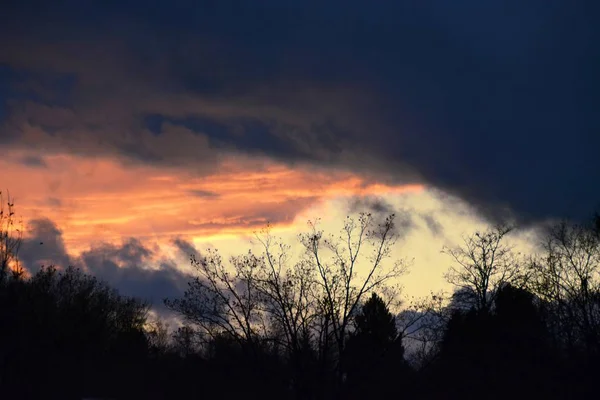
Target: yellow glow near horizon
(99, 200)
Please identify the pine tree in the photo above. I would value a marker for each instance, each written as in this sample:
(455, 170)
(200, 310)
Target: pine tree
(375, 353)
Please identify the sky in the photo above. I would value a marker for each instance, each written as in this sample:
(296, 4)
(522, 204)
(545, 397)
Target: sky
(133, 133)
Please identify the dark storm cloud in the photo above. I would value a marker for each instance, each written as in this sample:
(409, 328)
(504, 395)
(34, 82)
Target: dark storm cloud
(125, 267)
(492, 101)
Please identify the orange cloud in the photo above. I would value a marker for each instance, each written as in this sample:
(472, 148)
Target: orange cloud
(99, 199)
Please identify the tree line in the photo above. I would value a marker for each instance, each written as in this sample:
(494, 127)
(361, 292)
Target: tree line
(327, 324)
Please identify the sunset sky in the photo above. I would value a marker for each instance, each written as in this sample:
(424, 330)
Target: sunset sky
(134, 133)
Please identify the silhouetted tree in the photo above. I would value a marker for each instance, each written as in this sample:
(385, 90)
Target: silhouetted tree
(288, 294)
(302, 310)
(157, 333)
(340, 281)
(225, 300)
(522, 344)
(11, 236)
(256, 305)
(483, 264)
(422, 326)
(567, 278)
(505, 349)
(266, 326)
(67, 324)
(374, 355)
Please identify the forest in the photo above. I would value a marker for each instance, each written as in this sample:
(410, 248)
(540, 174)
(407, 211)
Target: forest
(329, 324)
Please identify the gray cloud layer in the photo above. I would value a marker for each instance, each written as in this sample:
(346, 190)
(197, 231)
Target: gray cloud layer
(493, 101)
(125, 267)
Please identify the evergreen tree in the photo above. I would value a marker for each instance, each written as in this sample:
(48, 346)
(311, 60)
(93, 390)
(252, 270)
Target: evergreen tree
(374, 356)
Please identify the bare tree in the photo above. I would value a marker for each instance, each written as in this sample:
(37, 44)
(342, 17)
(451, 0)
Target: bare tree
(287, 292)
(157, 334)
(185, 341)
(288, 295)
(356, 267)
(482, 265)
(224, 301)
(11, 236)
(567, 278)
(421, 326)
(304, 307)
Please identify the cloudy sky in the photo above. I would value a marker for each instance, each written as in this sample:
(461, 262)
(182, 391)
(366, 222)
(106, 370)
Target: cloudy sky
(133, 132)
